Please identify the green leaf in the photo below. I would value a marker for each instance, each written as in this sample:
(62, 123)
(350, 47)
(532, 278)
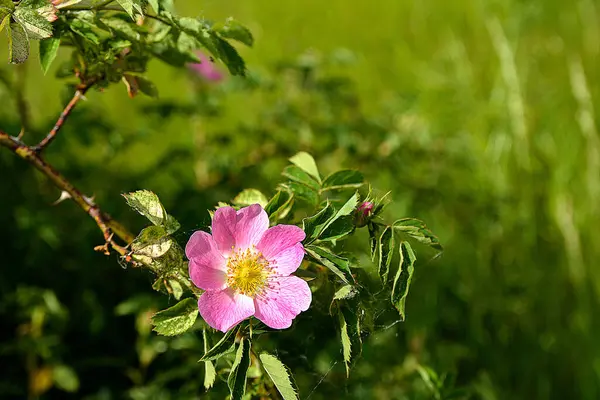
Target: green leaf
(236, 31)
(373, 239)
(303, 192)
(152, 242)
(345, 292)
(417, 230)
(347, 209)
(386, 248)
(155, 5)
(147, 203)
(250, 196)
(3, 20)
(177, 319)
(147, 87)
(175, 288)
(210, 375)
(48, 51)
(230, 57)
(307, 163)
(403, 277)
(130, 5)
(65, 378)
(28, 17)
(338, 229)
(280, 205)
(280, 375)
(342, 180)
(338, 265)
(18, 44)
(313, 226)
(350, 336)
(297, 174)
(224, 346)
(120, 28)
(239, 370)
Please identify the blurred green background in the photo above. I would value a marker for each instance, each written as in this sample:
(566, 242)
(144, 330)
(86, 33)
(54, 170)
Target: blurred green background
(479, 116)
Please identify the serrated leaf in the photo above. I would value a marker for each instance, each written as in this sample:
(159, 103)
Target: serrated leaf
(386, 248)
(314, 225)
(338, 229)
(37, 26)
(345, 292)
(210, 375)
(48, 51)
(417, 230)
(18, 44)
(224, 346)
(307, 163)
(232, 29)
(177, 319)
(130, 5)
(230, 56)
(280, 205)
(373, 239)
(342, 180)
(120, 28)
(175, 288)
(336, 264)
(152, 242)
(350, 336)
(250, 196)
(403, 278)
(280, 375)
(347, 209)
(65, 378)
(147, 203)
(239, 370)
(303, 192)
(297, 174)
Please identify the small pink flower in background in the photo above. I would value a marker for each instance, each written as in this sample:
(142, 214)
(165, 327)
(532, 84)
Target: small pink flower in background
(245, 269)
(206, 69)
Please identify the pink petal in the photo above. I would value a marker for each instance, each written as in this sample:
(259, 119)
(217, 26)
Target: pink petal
(279, 238)
(207, 278)
(224, 309)
(252, 223)
(289, 296)
(223, 228)
(288, 260)
(203, 250)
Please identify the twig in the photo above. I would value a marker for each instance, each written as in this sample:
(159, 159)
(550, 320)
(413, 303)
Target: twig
(79, 93)
(107, 225)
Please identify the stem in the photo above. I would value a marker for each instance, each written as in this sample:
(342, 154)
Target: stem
(107, 225)
(79, 94)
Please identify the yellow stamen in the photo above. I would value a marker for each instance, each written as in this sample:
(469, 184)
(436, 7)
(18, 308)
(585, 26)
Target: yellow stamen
(248, 272)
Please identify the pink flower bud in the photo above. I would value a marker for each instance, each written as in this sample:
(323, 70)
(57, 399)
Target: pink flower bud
(363, 213)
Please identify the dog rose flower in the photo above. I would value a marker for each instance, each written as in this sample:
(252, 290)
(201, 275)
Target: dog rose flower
(245, 269)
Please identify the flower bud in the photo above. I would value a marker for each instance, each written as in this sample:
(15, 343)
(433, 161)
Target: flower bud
(363, 213)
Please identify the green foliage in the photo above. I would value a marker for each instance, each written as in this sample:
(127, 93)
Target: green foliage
(48, 51)
(249, 197)
(177, 319)
(224, 346)
(403, 277)
(280, 376)
(239, 370)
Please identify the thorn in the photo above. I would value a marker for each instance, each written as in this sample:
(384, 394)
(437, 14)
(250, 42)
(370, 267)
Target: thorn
(103, 248)
(21, 133)
(63, 196)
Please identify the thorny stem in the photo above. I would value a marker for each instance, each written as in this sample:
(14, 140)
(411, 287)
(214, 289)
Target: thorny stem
(82, 88)
(107, 225)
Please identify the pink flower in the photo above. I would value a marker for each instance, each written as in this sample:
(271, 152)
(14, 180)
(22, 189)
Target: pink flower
(206, 68)
(244, 268)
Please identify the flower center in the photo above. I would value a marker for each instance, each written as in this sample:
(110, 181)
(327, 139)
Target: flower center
(247, 272)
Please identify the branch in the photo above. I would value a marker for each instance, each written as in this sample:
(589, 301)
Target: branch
(82, 88)
(107, 225)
